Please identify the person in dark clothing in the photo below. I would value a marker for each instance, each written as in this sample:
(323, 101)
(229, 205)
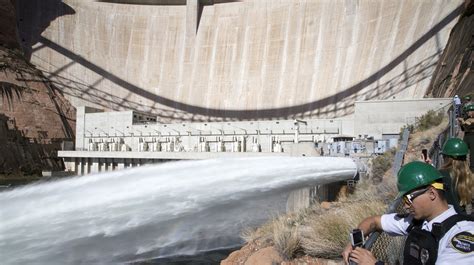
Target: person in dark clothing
(467, 125)
(467, 100)
(457, 106)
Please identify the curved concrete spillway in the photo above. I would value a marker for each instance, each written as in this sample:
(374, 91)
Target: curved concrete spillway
(237, 59)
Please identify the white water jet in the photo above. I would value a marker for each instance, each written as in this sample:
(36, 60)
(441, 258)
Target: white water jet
(153, 211)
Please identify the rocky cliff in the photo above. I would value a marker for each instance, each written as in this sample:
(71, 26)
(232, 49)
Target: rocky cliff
(34, 116)
(454, 73)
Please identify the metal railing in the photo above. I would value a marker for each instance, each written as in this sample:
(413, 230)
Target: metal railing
(381, 245)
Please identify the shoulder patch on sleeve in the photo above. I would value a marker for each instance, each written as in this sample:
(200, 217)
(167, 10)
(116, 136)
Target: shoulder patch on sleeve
(463, 242)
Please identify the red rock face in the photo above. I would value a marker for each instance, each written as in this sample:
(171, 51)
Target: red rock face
(35, 108)
(34, 116)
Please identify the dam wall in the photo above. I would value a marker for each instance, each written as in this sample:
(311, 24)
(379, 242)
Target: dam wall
(192, 61)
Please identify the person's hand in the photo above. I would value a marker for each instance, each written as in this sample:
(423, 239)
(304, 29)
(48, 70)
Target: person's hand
(346, 253)
(427, 160)
(362, 256)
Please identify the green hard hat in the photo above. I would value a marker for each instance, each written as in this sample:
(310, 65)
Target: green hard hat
(414, 175)
(455, 147)
(469, 107)
(468, 97)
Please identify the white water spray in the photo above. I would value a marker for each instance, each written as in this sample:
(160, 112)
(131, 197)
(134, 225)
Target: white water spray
(153, 211)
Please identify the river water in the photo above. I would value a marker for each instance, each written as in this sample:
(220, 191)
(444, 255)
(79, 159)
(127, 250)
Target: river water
(153, 212)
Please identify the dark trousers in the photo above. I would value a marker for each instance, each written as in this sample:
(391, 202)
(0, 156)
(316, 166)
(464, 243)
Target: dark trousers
(457, 111)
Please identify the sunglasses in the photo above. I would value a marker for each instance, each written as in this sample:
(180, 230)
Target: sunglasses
(408, 199)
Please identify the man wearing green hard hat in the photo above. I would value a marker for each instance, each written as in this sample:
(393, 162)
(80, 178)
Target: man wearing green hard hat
(467, 125)
(436, 233)
(467, 100)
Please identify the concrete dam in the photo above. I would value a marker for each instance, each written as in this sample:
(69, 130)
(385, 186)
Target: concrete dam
(193, 61)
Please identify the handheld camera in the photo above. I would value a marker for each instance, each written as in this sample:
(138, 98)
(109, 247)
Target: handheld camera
(357, 238)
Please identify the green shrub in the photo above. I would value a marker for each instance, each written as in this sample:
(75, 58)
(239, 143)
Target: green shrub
(328, 233)
(321, 232)
(286, 238)
(381, 164)
(429, 120)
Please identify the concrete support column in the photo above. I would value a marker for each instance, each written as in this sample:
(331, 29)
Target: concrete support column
(110, 164)
(99, 165)
(298, 200)
(95, 165)
(323, 192)
(80, 166)
(120, 164)
(80, 128)
(76, 166)
(87, 166)
(305, 197)
(70, 164)
(103, 165)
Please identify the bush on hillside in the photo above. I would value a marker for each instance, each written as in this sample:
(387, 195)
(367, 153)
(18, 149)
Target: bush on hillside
(427, 121)
(262, 233)
(286, 238)
(329, 233)
(381, 164)
(283, 232)
(430, 119)
(322, 232)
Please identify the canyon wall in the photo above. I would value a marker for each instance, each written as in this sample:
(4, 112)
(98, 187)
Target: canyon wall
(455, 71)
(35, 118)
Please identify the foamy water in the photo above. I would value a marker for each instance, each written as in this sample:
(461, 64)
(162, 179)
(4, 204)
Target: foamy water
(153, 211)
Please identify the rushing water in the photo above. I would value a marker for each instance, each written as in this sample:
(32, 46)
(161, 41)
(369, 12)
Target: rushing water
(176, 208)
